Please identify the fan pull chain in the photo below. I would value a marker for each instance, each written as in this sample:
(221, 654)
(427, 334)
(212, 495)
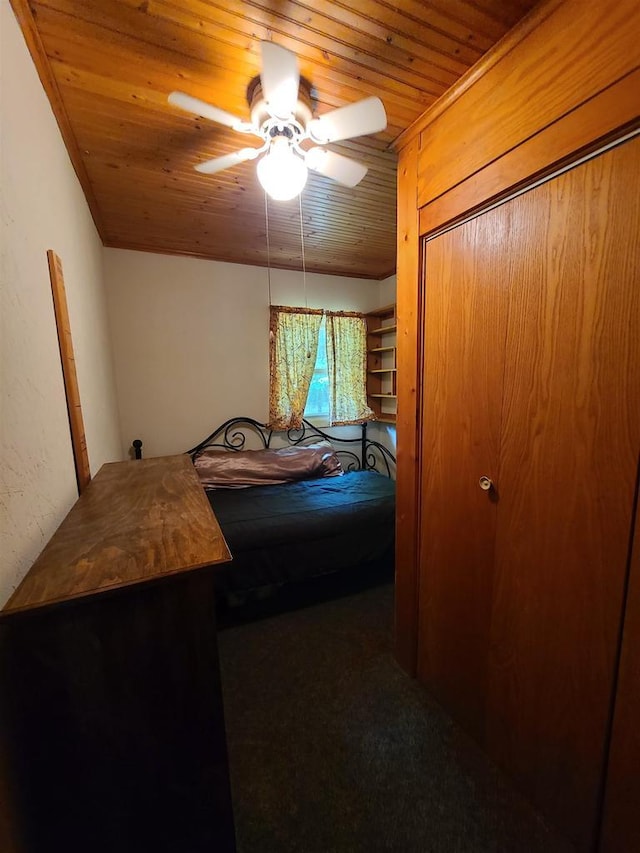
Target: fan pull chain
(304, 268)
(266, 219)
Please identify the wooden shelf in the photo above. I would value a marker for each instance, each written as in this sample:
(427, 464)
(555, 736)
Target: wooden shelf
(386, 311)
(381, 363)
(383, 330)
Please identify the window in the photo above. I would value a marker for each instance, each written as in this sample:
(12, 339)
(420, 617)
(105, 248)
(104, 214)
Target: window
(318, 407)
(317, 367)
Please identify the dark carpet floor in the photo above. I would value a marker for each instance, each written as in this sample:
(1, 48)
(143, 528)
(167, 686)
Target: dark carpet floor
(333, 748)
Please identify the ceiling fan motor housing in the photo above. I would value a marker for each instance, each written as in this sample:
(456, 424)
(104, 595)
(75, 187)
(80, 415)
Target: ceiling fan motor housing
(260, 115)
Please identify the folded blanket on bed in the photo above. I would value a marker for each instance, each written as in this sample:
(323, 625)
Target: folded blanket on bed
(243, 468)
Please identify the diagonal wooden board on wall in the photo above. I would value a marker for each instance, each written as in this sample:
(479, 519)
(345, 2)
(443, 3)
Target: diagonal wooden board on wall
(65, 342)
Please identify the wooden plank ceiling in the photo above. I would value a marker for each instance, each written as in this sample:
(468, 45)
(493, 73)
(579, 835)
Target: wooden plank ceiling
(108, 66)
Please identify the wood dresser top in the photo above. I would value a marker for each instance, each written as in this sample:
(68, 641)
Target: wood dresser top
(136, 521)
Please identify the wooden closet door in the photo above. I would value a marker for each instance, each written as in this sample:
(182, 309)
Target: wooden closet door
(621, 823)
(568, 463)
(466, 291)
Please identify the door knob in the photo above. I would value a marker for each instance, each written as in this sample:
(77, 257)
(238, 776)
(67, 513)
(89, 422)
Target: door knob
(485, 483)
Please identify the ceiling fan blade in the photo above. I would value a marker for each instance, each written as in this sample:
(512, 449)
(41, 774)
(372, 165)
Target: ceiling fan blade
(359, 119)
(280, 79)
(210, 167)
(344, 170)
(202, 108)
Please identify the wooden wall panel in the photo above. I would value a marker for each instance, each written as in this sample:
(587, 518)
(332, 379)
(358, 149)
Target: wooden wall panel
(67, 358)
(408, 344)
(621, 824)
(609, 114)
(579, 48)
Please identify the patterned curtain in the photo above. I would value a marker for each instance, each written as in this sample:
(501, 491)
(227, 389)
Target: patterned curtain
(347, 361)
(293, 347)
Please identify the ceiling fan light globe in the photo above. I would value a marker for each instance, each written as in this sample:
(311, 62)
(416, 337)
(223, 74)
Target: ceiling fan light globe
(281, 172)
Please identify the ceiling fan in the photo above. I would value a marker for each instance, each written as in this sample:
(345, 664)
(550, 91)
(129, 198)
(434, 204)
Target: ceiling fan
(281, 115)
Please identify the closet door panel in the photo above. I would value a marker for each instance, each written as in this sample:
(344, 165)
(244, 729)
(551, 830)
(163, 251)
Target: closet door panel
(466, 290)
(568, 459)
(621, 824)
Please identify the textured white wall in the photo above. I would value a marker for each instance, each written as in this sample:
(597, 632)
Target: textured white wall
(42, 207)
(387, 290)
(190, 339)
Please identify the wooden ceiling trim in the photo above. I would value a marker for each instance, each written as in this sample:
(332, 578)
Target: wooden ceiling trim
(24, 16)
(513, 38)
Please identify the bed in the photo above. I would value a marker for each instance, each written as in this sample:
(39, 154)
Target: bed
(333, 517)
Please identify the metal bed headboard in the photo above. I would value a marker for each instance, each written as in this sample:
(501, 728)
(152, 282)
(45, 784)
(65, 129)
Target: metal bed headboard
(355, 454)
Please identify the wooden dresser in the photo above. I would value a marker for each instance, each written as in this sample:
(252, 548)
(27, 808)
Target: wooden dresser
(111, 699)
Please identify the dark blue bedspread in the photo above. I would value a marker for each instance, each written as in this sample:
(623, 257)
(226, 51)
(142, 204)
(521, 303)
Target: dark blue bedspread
(294, 531)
